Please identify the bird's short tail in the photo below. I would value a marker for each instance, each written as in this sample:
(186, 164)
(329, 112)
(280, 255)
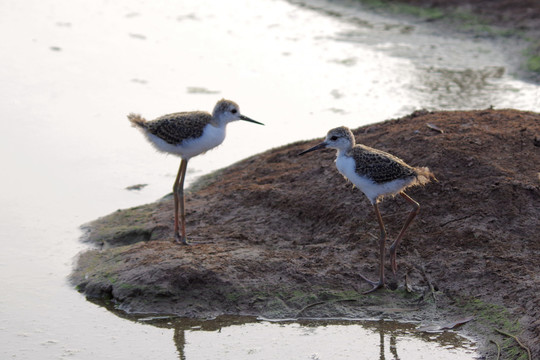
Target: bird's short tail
(137, 120)
(424, 175)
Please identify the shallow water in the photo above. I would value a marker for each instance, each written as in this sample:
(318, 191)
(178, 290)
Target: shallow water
(71, 71)
(236, 337)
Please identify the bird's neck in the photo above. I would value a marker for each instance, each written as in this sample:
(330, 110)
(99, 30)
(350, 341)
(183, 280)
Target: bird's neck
(218, 123)
(343, 151)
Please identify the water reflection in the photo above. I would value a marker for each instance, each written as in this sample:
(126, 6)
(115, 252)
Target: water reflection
(316, 339)
(243, 337)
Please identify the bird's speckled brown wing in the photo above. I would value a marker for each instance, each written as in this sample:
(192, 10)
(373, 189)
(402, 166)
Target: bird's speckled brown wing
(177, 127)
(378, 165)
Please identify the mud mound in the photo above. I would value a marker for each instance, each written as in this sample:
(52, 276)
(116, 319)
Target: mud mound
(280, 235)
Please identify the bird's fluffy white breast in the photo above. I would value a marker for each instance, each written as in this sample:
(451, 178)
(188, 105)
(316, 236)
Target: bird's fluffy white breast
(212, 137)
(347, 167)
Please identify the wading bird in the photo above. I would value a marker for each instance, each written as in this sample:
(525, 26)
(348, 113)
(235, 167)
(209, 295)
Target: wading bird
(376, 173)
(188, 134)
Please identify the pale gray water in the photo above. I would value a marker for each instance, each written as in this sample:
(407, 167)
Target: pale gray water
(72, 70)
(244, 337)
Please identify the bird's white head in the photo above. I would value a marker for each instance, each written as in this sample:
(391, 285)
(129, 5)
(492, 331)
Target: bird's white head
(340, 138)
(226, 111)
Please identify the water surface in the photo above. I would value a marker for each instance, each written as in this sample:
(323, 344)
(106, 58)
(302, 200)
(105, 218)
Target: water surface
(234, 337)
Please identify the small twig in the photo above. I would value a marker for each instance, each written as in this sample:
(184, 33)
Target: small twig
(322, 302)
(498, 349)
(517, 340)
(453, 220)
(408, 285)
(431, 287)
(435, 128)
(373, 236)
(309, 306)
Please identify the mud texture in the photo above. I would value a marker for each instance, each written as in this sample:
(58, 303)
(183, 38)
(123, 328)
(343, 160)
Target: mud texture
(281, 236)
(523, 14)
(519, 20)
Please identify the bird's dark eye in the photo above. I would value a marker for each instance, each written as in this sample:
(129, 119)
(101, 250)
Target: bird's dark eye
(234, 111)
(333, 138)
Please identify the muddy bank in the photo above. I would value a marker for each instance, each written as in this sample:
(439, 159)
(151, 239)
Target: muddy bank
(523, 15)
(518, 20)
(282, 236)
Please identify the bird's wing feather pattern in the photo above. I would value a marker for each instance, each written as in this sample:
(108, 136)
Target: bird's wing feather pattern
(177, 127)
(378, 165)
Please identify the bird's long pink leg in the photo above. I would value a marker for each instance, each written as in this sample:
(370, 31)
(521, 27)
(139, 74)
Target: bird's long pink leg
(178, 190)
(393, 247)
(382, 246)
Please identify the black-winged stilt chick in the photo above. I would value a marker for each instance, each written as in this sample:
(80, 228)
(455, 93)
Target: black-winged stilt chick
(188, 134)
(376, 173)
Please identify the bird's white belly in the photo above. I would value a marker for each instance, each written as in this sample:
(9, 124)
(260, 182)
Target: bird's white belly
(212, 136)
(347, 167)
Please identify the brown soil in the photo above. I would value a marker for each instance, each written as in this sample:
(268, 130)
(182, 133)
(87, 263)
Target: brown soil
(280, 235)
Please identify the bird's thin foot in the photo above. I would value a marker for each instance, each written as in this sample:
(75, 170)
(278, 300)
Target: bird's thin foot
(376, 284)
(180, 240)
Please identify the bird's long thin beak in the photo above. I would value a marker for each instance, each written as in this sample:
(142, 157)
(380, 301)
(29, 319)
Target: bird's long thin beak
(316, 147)
(245, 118)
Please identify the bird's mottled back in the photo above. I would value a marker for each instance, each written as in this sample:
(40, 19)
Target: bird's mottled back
(379, 166)
(177, 127)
